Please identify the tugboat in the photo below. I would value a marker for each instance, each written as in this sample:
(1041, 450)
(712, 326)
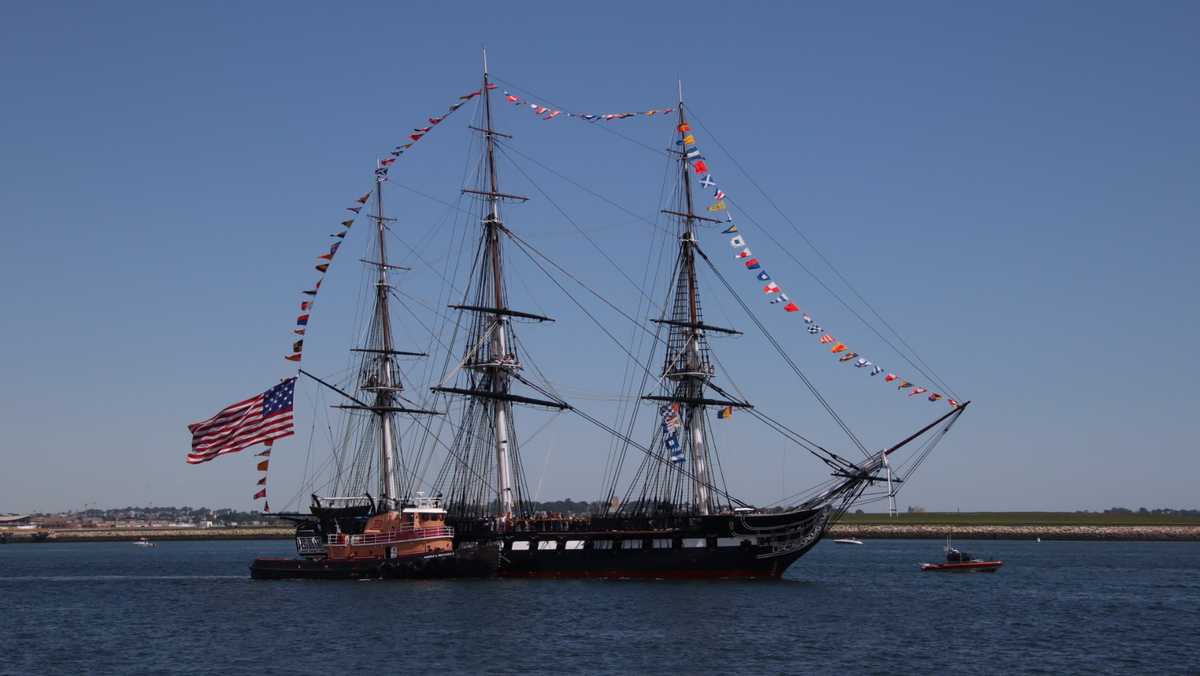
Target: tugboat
(353, 539)
(961, 562)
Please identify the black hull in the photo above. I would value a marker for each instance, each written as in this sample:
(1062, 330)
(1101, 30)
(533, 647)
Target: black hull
(478, 562)
(760, 546)
(748, 563)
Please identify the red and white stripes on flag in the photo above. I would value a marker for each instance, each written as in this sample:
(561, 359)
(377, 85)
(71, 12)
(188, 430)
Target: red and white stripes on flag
(260, 418)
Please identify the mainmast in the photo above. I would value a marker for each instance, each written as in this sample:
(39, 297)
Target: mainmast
(499, 363)
(491, 356)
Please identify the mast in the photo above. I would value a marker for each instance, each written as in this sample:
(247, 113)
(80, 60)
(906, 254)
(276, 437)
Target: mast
(891, 489)
(487, 439)
(697, 375)
(388, 489)
(380, 378)
(687, 370)
(500, 379)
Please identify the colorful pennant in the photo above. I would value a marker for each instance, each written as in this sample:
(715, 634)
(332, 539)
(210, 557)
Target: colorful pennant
(550, 112)
(381, 174)
(261, 493)
(773, 290)
(671, 422)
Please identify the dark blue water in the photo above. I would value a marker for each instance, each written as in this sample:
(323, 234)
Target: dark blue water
(190, 607)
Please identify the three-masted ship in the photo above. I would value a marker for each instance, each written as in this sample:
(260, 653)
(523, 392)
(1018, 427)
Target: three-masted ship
(672, 519)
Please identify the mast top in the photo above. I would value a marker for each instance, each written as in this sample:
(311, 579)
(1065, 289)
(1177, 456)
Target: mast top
(680, 92)
(485, 67)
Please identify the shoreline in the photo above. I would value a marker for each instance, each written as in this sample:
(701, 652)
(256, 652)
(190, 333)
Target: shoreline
(153, 534)
(1186, 533)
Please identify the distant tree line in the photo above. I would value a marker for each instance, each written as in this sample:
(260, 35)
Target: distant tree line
(564, 506)
(222, 515)
(1143, 510)
(171, 514)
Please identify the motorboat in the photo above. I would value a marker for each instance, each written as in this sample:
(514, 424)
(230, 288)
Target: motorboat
(958, 561)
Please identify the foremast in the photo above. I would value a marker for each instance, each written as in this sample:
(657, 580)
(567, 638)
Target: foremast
(687, 369)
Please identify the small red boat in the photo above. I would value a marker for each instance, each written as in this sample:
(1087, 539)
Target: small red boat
(961, 562)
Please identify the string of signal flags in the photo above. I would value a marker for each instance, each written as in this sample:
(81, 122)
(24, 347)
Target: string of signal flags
(771, 288)
(381, 174)
(278, 400)
(742, 252)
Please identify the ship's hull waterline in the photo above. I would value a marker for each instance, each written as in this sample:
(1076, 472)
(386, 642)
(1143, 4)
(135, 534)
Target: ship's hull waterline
(477, 562)
(721, 563)
(747, 546)
(756, 546)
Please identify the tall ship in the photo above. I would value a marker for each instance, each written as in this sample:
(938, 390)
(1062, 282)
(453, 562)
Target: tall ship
(429, 479)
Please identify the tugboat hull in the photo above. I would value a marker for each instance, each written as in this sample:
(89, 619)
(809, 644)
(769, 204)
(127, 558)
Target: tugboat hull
(480, 563)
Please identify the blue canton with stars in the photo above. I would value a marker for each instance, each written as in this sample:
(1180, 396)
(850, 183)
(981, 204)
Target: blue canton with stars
(278, 399)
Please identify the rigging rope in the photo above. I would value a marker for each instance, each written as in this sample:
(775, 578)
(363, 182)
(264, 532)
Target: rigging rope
(654, 456)
(602, 252)
(526, 248)
(783, 353)
(927, 371)
(601, 126)
(919, 365)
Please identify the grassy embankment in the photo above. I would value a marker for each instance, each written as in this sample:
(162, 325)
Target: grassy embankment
(1018, 519)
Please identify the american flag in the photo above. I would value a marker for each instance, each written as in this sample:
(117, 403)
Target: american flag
(260, 418)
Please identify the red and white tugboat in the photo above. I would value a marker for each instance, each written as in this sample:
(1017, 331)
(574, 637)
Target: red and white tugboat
(961, 562)
(410, 542)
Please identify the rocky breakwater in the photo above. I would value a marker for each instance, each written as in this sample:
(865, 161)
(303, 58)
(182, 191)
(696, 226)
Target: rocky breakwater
(982, 532)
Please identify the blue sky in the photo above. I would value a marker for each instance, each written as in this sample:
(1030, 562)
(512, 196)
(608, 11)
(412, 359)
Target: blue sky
(1013, 187)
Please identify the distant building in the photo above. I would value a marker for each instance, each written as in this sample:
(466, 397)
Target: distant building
(14, 520)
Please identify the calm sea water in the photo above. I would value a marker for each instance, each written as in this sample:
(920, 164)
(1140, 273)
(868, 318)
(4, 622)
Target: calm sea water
(190, 607)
